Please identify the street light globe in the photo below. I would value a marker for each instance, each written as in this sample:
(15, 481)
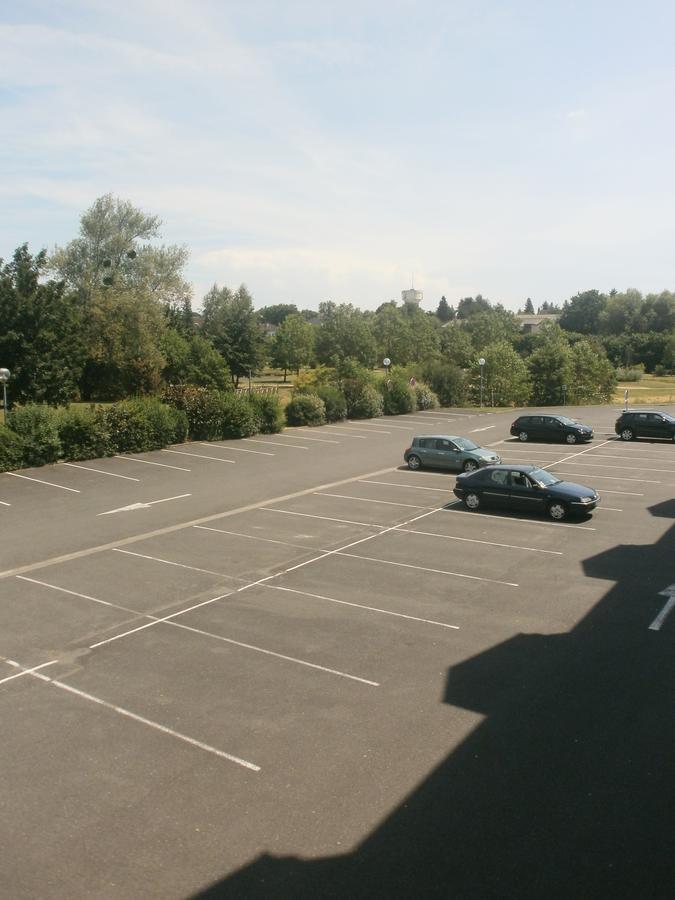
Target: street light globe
(481, 361)
(386, 361)
(4, 376)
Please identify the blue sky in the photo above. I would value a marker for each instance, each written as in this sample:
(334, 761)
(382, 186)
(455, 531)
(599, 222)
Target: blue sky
(337, 150)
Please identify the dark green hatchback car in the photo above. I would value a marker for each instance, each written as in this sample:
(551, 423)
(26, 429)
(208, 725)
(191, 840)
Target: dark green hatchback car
(447, 451)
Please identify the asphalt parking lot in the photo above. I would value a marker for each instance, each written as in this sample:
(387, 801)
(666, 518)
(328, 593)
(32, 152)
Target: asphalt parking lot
(291, 667)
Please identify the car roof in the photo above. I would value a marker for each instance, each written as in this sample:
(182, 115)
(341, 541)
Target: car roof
(635, 412)
(446, 437)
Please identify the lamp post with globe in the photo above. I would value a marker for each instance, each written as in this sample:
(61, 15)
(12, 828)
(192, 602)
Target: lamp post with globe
(481, 363)
(4, 378)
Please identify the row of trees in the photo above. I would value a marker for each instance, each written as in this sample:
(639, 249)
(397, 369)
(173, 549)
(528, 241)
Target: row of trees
(109, 315)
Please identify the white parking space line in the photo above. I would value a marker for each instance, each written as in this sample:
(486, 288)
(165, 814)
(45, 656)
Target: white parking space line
(452, 537)
(665, 612)
(390, 562)
(602, 508)
(149, 722)
(611, 477)
(201, 456)
(625, 493)
(257, 537)
(276, 444)
(39, 481)
(23, 671)
(148, 462)
(169, 562)
(368, 500)
(486, 428)
(290, 512)
(56, 587)
(235, 449)
(388, 425)
(100, 471)
(638, 461)
(304, 437)
(414, 487)
(370, 430)
(527, 521)
(386, 612)
(343, 433)
(612, 466)
(3, 503)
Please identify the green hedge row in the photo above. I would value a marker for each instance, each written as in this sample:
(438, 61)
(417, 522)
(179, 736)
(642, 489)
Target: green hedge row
(35, 435)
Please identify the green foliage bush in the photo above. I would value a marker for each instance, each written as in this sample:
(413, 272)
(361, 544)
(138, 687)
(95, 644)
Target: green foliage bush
(206, 409)
(306, 409)
(136, 426)
(426, 398)
(447, 381)
(83, 433)
(632, 373)
(11, 450)
(367, 404)
(335, 402)
(268, 412)
(239, 418)
(37, 427)
(398, 395)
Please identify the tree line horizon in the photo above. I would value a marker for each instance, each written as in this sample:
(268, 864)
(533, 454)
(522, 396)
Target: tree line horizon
(109, 315)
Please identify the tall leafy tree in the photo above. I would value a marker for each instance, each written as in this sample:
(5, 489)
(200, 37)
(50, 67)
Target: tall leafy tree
(491, 325)
(114, 250)
(506, 376)
(425, 334)
(469, 306)
(444, 312)
(393, 333)
(41, 338)
(583, 313)
(594, 377)
(344, 333)
(528, 309)
(293, 344)
(275, 315)
(455, 346)
(551, 366)
(234, 328)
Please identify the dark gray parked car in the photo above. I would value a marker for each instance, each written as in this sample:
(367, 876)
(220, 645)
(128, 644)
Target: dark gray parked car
(646, 423)
(447, 451)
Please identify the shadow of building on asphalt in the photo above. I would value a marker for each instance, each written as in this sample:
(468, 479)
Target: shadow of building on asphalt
(565, 790)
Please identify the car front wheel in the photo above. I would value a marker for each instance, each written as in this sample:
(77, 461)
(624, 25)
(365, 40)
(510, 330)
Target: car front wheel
(627, 434)
(523, 436)
(472, 501)
(414, 462)
(571, 438)
(557, 510)
(470, 465)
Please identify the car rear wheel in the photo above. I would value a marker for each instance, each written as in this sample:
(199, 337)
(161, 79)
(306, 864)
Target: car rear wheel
(571, 438)
(627, 434)
(557, 510)
(470, 465)
(472, 501)
(414, 462)
(522, 436)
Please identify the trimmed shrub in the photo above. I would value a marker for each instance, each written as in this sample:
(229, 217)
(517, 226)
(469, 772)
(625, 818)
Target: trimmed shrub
(83, 433)
(11, 450)
(239, 418)
(335, 402)
(205, 408)
(447, 381)
(398, 395)
(268, 412)
(136, 426)
(367, 404)
(306, 409)
(37, 428)
(426, 399)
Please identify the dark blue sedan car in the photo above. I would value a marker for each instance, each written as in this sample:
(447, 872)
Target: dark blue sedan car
(524, 489)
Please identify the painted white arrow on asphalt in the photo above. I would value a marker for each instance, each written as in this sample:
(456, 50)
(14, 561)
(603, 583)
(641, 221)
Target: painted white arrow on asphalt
(133, 506)
(660, 619)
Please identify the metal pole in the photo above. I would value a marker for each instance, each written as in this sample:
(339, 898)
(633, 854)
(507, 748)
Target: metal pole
(4, 404)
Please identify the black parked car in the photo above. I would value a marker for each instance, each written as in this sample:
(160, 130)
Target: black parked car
(645, 423)
(524, 489)
(551, 428)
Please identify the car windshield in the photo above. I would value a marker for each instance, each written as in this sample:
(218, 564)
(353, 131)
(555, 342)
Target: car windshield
(668, 418)
(541, 476)
(566, 421)
(465, 444)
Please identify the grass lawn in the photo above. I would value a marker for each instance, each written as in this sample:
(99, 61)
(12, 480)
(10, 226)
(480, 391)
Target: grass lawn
(649, 390)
